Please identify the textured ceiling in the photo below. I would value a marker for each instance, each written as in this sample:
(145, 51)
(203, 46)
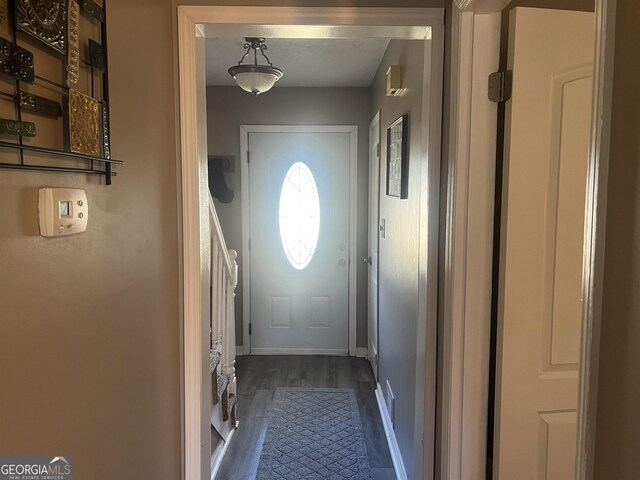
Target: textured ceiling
(305, 62)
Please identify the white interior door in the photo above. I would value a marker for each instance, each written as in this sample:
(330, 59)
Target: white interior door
(299, 241)
(372, 259)
(547, 131)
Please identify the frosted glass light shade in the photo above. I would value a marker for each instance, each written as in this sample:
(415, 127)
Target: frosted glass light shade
(255, 79)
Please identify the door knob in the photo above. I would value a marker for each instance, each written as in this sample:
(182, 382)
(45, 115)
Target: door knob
(367, 260)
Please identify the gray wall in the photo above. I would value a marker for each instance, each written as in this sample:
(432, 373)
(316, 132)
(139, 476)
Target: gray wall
(618, 429)
(399, 252)
(230, 107)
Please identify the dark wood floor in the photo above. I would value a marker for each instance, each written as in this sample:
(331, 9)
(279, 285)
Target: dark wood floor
(259, 376)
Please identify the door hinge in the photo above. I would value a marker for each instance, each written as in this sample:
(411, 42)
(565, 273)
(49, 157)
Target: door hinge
(249, 243)
(500, 86)
(249, 329)
(248, 158)
(378, 149)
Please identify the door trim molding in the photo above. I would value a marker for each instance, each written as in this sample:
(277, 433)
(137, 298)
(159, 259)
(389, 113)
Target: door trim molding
(594, 246)
(373, 349)
(196, 397)
(427, 364)
(352, 130)
(379, 19)
(459, 364)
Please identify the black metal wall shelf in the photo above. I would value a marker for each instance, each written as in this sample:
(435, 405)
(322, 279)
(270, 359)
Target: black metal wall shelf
(108, 173)
(97, 165)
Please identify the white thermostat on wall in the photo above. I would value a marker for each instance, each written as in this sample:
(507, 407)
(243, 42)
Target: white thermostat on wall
(62, 211)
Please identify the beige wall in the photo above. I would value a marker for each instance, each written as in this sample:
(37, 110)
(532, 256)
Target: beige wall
(618, 429)
(90, 355)
(399, 251)
(230, 107)
(90, 325)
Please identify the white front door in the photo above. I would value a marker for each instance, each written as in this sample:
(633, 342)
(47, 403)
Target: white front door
(547, 132)
(372, 259)
(299, 241)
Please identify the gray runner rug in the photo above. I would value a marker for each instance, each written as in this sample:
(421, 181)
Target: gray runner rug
(313, 434)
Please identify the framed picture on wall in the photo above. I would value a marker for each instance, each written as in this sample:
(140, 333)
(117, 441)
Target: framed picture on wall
(398, 158)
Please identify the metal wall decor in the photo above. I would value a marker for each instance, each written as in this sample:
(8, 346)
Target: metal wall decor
(44, 19)
(16, 61)
(96, 55)
(78, 98)
(84, 123)
(93, 8)
(38, 104)
(106, 141)
(17, 127)
(73, 58)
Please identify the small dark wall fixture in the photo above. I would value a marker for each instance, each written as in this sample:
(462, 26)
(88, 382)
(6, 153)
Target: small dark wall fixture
(218, 165)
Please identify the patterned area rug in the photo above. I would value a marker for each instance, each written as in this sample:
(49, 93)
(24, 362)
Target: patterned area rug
(313, 434)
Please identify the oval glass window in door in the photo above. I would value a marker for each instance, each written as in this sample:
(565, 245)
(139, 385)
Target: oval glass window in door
(299, 215)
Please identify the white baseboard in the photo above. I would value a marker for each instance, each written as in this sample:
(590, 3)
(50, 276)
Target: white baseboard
(361, 352)
(218, 454)
(297, 351)
(394, 449)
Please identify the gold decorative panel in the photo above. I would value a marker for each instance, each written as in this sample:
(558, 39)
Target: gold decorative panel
(84, 123)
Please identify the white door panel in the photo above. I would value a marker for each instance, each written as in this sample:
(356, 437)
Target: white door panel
(547, 131)
(299, 307)
(374, 218)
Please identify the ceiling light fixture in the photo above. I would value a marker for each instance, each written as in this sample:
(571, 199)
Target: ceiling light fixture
(255, 78)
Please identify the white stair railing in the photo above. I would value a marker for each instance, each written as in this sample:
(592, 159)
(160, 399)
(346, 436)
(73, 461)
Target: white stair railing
(224, 279)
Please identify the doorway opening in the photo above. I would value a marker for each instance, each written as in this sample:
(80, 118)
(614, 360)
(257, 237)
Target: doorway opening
(405, 360)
